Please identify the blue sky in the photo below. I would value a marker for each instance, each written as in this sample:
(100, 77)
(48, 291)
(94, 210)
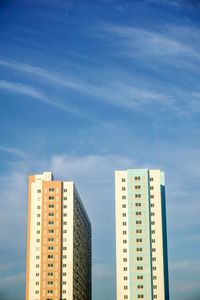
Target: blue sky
(88, 87)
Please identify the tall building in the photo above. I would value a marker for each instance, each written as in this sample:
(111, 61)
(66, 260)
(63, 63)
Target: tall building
(58, 242)
(141, 235)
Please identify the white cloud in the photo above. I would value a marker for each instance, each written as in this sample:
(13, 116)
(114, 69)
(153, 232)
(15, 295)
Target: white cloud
(120, 90)
(12, 150)
(29, 91)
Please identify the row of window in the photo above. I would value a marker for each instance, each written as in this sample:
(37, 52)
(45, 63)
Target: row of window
(51, 190)
(137, 178)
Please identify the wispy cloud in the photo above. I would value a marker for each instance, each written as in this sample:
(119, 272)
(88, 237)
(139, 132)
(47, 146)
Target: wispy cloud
(29, 91)
(137, 42)
(117, 91)
(12, 150)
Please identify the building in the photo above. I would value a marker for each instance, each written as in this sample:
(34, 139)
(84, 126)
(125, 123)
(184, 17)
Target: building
(141, 235)
(58, 241)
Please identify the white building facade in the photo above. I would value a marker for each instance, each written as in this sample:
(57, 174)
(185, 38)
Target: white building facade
(141, 235)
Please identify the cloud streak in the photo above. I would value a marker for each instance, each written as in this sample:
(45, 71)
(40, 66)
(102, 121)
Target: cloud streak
(29, 91)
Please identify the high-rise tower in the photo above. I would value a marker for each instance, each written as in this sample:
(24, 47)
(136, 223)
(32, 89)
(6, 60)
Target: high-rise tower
(141, 235)
(58, 241)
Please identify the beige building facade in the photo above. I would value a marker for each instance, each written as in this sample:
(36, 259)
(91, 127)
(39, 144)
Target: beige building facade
(141, 235)
(58, 241)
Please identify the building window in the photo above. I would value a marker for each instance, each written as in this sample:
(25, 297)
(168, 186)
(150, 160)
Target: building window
(137, 195)
(123, 205)
(65, 206)
(124, 241)
(50, 248)
(153, 249)
(65, 198)
(64, 282)
(139, 268)
(125, 268)
(51, 222)
(139, 258)
(155, 296)
(50, 239)
(50, 291)
(38, 223)
(124, 223)
(155, 287)
(123, 188)
(124, 259)
(138, 222)
(38, 215)
(140, 296)
(123, 179)
(125, 297)
(154, 268)
(137, 187)
(124, 232)
(151, 188)
(153, 223)
(137, 178)
(139, 249)
(51, 189)
(51, 214)
(139, 231)
(39, 191)
(140, 277)
(140, 286)
(151, 196)
(123, 197)
(50, 282)
(153, 241)
(64, 215)
(152, 204)
(138, 213)
(153, 231)
(51, 231)
(138, 240)
(138, 204)
(50, 265)
(51, 206)
(50, 273)
(51, 197)
(125, 278)
(154, 277)
(153, 258)
(37, 292)
(152, 214)
(50, 256)
(124, 215)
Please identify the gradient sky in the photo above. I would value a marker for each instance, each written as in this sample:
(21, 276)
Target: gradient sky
(88, 87)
